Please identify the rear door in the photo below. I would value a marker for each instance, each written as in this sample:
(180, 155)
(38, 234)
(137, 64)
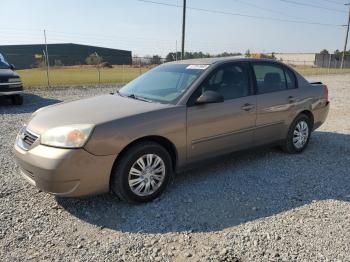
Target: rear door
(276, 89)
(213, 129)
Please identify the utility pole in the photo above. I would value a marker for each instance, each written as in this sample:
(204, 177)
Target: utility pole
(47, 61)
(346, 40)
(98, 60)
(183, 30)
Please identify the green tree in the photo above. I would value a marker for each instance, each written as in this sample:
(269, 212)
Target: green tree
(93, 59)
(324, 52)
(192, 55)
(337, 54)
(156, 60)
(247, 53)
(226, 54)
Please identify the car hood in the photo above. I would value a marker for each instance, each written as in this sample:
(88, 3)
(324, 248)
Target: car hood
(95, 110)
(7, 73)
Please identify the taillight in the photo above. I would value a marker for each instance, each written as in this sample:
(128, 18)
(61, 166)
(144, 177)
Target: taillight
(326, 93)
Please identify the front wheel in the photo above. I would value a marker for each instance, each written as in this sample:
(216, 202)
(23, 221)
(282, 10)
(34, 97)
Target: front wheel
(142, 173)
(298, 135)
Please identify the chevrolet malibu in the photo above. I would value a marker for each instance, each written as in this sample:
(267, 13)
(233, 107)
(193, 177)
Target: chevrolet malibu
(177, 114)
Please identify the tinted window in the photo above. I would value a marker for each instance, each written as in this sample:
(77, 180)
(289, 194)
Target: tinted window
(231, 81)
(269, 78)
(3, 63)
(291, 81)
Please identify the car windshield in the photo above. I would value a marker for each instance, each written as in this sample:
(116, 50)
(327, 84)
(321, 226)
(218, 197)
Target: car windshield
(3, 63)
(164, 84)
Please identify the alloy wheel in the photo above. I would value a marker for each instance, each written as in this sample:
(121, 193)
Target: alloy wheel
(146, 175)
(300, 134)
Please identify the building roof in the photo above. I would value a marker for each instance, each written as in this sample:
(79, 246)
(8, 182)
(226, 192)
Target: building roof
(58, 45)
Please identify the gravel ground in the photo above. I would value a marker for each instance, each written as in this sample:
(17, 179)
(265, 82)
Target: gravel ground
(262, 205)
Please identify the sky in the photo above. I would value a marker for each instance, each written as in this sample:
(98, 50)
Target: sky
(146, 28)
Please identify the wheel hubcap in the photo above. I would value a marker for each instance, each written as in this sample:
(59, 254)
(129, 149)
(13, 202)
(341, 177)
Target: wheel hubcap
(301, 134)
(146, 175)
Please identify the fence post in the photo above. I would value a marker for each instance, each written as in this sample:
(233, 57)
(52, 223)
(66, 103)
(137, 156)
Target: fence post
(329, 63)
(123, 75)
(46, 52)
(99, 76)
(140, 65)
(98, 66)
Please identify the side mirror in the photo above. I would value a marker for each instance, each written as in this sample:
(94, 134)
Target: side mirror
(12, 67)
(210, 97)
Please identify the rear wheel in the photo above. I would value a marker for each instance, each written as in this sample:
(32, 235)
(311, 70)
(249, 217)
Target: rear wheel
(142, 173)
(298, 135)
(17, 100)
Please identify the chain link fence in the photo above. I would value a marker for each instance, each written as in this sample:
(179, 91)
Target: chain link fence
(101, 74)
(105, 73)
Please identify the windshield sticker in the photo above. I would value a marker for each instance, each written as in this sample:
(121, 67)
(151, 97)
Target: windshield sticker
(197, 67)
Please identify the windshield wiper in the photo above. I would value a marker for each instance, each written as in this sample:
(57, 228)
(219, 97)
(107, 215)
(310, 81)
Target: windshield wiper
(133, 96)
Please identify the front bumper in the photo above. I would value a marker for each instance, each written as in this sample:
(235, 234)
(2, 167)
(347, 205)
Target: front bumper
(65, 172)
(7, 89)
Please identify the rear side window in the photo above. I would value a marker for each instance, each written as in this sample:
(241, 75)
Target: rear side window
(269, 78)
(290, 77)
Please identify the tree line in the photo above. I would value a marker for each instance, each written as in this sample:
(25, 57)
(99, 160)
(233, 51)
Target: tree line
(95, 59)
(338, 54)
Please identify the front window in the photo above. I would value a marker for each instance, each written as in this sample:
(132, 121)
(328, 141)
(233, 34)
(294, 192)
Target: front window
(231, 81)
(3, 63)
(165, 83)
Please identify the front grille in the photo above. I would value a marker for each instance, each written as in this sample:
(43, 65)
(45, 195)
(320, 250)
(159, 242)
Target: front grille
(29, 138)
(4, 80)
(26, 139)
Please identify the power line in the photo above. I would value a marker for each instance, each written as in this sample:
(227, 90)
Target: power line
(66, 37)
(242, 15)
(333, 2)
(152, 45)
(314, 6)
(264, 8)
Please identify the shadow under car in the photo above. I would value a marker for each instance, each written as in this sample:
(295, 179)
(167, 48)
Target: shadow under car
(238, 188)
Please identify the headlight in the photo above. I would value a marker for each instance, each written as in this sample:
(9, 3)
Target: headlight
(72, 136)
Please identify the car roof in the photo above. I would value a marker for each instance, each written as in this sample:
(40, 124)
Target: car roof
(216, 60)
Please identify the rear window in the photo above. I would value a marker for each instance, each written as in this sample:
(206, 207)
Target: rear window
(291, 80)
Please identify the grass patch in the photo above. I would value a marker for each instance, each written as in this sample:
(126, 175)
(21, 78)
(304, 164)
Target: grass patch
(79, 76)
(85, 75)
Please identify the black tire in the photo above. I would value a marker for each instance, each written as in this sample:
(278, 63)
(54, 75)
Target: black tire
(288, 145)
(17, 100)
(119, 182)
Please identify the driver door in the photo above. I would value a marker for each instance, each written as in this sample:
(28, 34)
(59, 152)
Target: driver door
(214, 129)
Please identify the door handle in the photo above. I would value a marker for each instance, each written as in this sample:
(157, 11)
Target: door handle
(247, 107)
(292, 99)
